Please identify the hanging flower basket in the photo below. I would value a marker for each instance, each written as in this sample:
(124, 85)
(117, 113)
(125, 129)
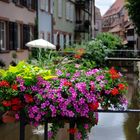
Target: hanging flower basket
(63, 96)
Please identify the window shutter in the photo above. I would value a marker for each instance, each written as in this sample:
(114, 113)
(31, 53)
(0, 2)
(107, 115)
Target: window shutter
(11, 35)
(55, 39)
(15, 37)
(7, 35)
(15, 1)
(62, 41)
(33, 4)
(59, 8)
(67, 40)
(21, 36)
(52, 6)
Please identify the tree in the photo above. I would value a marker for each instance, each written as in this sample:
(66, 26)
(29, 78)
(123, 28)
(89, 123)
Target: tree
(133, 7)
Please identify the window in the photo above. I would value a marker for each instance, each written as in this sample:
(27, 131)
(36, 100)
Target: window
(5, 0)
(59, 8)
(47, 5)
(68, 9)
(2, 35)
(26, 35)
(51, 6)
(13, 36)
(42, 4)
(71, 12)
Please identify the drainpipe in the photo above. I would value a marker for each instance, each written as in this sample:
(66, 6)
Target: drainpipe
(93, 18)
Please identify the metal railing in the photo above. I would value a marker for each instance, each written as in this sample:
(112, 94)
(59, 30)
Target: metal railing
(71, 121)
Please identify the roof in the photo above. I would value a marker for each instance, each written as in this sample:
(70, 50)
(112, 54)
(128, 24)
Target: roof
(115, 29)
(115, 8)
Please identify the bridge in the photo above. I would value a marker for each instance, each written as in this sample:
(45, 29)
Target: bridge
(123, 55)
(123, 59)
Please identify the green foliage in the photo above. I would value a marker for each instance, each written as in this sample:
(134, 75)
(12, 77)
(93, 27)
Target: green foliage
(133, 7)
(25, 70)
(109, 40)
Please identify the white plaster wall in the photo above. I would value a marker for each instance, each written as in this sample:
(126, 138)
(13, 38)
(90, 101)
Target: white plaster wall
(16, 13)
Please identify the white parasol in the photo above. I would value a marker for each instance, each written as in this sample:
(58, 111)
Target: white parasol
(40, 43)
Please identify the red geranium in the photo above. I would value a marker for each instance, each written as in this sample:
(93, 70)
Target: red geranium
(14, 87)
(114, 91)
(114, 73)
(121, 86)
(67, 83)
(6, 103)
(4, 84)
(28, 98)
(72, 130)
(15, 101)
(16, 107)
(94, 106)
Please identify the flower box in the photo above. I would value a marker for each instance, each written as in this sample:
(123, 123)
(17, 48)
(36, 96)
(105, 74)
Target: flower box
(67, 94)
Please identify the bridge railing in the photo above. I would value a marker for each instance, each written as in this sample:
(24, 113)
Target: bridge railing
(123, 53)
(72, 123)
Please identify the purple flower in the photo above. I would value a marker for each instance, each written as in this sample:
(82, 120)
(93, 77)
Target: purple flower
(59, 72)
(35, 109)
(99, 78)
(50, 134)
(79, 135)
(77, 74)
(68, 75)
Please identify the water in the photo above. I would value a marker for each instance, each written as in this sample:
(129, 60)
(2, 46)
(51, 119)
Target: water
(120, 126)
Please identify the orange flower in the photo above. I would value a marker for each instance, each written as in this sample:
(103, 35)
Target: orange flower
(114, 91)
(77, 56)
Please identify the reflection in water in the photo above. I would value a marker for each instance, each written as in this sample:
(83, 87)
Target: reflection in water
(118, 126)
(133, 119)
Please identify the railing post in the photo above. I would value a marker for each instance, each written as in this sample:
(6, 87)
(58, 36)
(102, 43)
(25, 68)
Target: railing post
(22, 126)
(46, 130)
(72, 124)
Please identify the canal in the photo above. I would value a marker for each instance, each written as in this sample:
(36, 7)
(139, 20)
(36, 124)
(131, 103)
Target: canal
(121, 126)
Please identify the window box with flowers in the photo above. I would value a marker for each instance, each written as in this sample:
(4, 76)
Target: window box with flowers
(68, 94)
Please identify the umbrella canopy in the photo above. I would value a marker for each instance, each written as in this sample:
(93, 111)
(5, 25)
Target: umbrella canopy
(40, 43)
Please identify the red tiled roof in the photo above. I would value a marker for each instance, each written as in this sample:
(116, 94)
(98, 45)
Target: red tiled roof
(115, 8)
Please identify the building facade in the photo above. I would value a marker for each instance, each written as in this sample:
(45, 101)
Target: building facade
(17, 21)
(63, 23)
(83, 28)
(45, 25)
(98, 22)
(116, 21)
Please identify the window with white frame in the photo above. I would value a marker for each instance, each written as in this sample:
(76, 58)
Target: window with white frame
(52, 6)
(67, 10)
(71, 12)
(47, 5)
(43, 4)
(2, 35)
(59, 8)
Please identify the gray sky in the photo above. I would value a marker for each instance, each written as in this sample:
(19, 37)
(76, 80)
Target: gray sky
(104, 5)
